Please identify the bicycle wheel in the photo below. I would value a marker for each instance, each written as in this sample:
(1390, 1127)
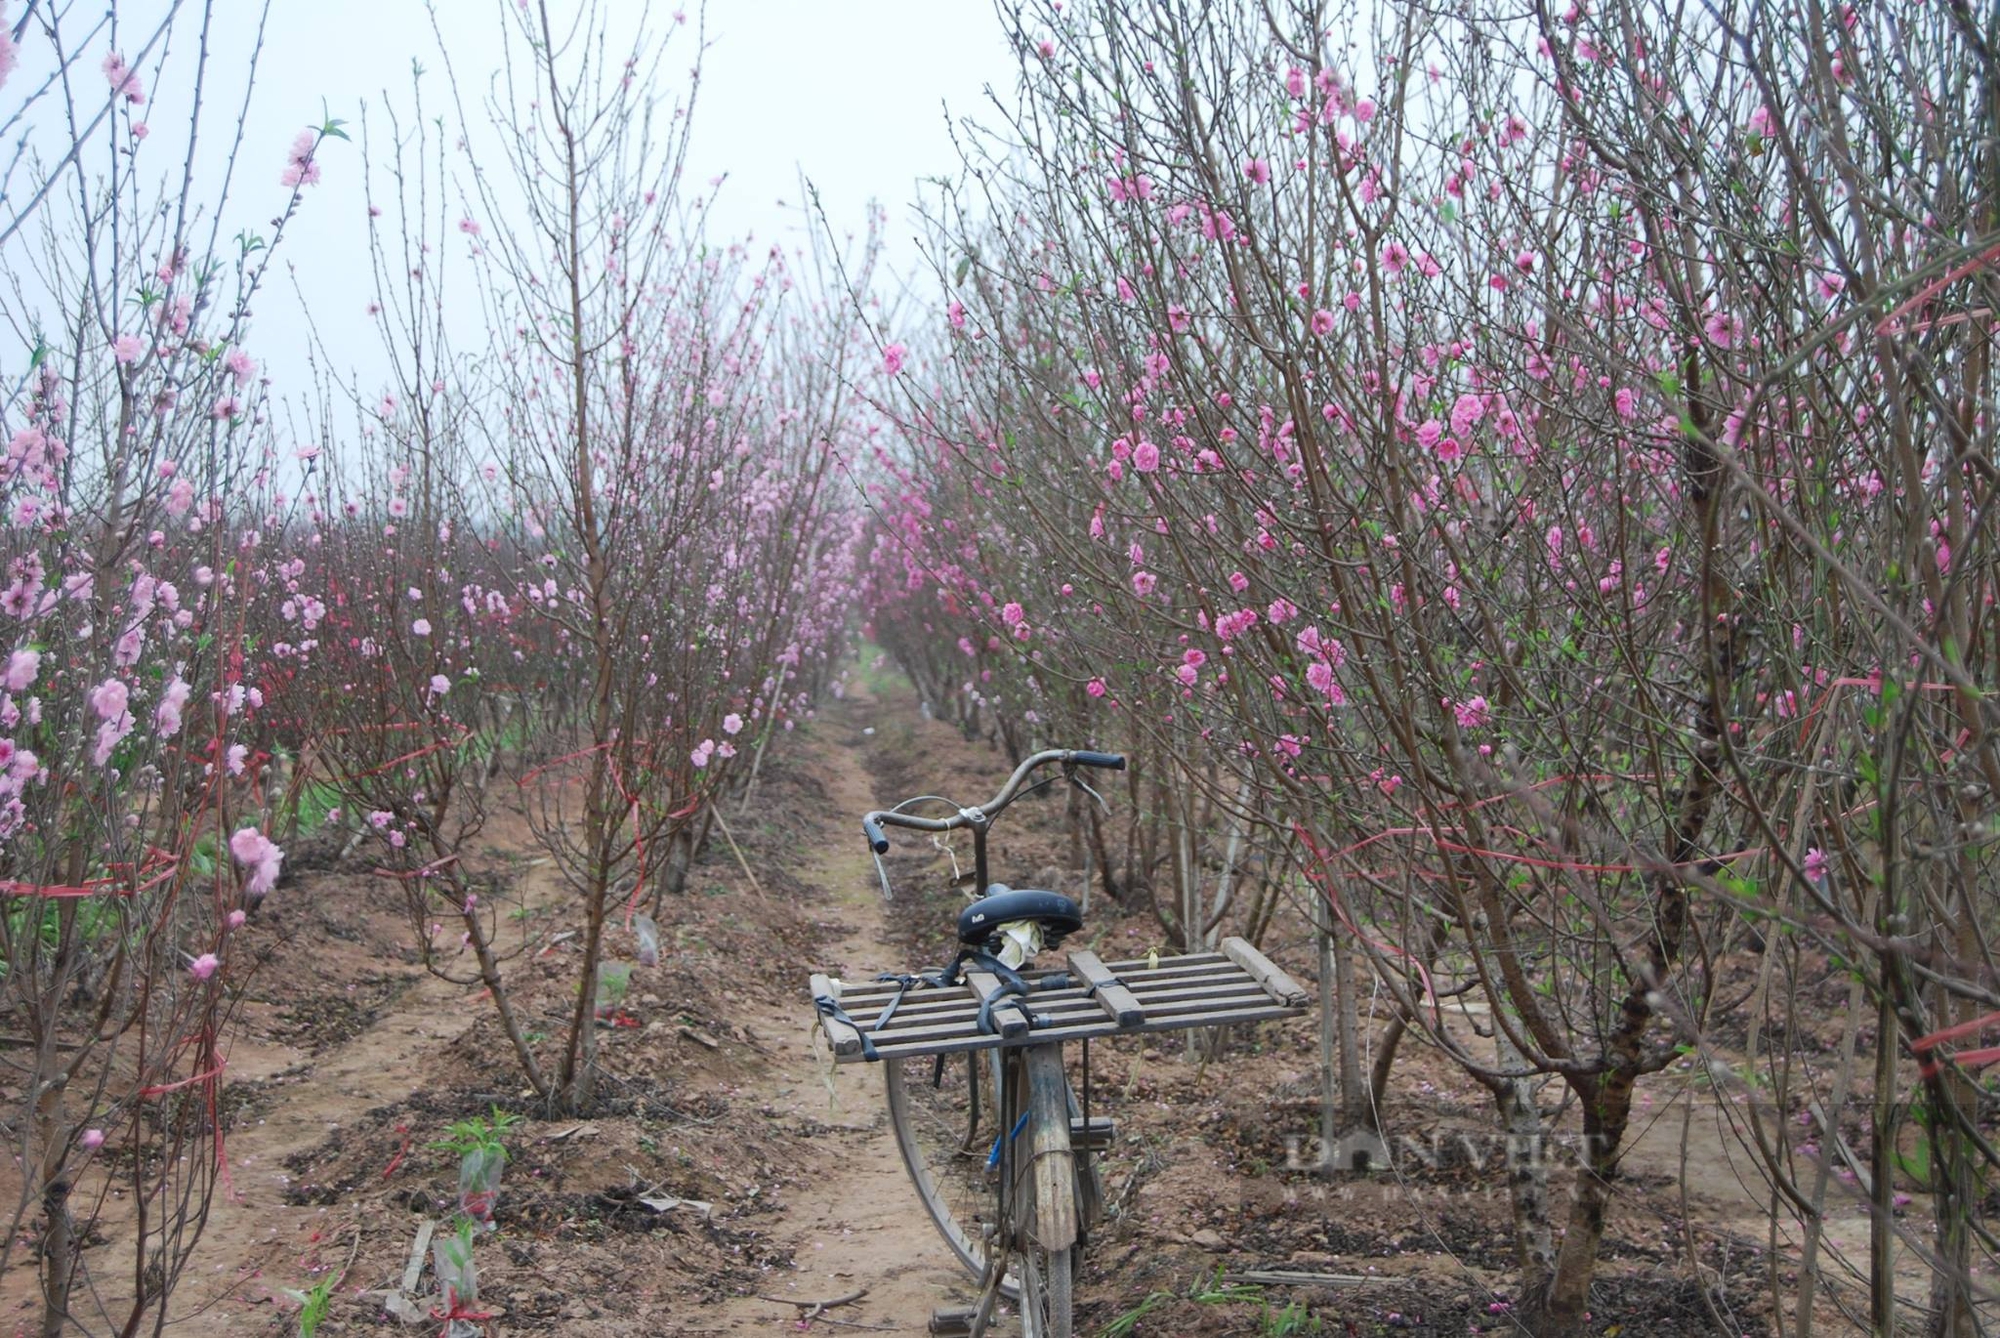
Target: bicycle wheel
(1047, 1294)
(945, 1124)
(1047, 1226)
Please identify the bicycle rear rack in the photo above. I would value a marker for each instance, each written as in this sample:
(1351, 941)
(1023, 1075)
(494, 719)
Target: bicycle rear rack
(1233, 984)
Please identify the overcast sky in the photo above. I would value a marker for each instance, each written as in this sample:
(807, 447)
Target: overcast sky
(852, 92)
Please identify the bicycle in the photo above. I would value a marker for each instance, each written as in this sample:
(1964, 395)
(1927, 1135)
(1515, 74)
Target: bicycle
(1016, 1204)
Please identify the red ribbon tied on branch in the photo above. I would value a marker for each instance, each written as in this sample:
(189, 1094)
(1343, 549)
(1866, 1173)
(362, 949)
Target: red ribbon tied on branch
(455, 1309)
(1972, 1059)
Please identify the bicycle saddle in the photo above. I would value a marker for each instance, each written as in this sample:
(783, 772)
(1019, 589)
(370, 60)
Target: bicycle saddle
(1001, 905)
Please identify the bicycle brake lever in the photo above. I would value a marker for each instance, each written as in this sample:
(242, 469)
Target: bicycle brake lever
(945, 846)
(882, 873)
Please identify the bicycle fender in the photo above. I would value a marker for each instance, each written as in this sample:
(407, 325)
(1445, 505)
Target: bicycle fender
(1046, 1162)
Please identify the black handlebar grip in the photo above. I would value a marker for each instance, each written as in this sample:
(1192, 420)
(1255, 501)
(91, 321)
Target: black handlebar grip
(1111, 761)
(876, 840)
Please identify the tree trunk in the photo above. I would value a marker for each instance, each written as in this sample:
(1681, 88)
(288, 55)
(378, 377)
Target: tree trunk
(489, 973)
(1353, 1094)
(1225, 883)
(1102, 854)
(1882, 1163)
(680, 857)
(1607, 1097)
(1331, 1096)
(1956, 1189)
(1378, 1077)
(59, 1243)
(1343, 1100)
(1187, 880)
(1399, 1026)
(1073, 805)
(1558, 1311)
(1527, 1168)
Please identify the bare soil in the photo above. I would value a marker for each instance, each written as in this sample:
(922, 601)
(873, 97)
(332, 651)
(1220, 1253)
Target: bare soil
(351, 1060)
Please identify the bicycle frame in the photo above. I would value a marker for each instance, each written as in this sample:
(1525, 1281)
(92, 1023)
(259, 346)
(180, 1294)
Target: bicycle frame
(1030, 1101)
(1032, 1146)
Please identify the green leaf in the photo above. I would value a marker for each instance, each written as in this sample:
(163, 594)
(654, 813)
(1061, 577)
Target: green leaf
(330, 125)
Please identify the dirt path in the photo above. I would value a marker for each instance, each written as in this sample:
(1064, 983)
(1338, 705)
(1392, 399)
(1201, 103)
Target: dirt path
(312, 1097)
(726, 1101)
(857, 1223)
(849, 1218)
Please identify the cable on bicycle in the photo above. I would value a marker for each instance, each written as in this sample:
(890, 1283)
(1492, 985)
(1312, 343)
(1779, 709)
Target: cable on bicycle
(986, 1027)
(993, 1157)
(829, 1007)
(904, 983)
(1027, 1164)
(1012, 983)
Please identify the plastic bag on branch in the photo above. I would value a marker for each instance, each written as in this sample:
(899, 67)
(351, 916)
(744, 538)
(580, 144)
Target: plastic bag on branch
(458, 1285)
(608, 998)
(649, 939)
(479, 1173)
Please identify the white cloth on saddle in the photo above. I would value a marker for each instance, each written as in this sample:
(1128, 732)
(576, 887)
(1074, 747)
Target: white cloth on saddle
(1021, 940)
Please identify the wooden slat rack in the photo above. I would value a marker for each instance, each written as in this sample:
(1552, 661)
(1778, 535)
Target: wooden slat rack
(1234, 984)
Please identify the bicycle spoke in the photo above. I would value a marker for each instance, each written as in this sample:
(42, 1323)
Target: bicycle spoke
(934, 1123)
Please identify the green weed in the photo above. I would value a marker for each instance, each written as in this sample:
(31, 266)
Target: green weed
(1128, 1323)
(313, 1304)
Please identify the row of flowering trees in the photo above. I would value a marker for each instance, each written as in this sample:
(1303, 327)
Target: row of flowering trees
(594, 562)
(1521, 482)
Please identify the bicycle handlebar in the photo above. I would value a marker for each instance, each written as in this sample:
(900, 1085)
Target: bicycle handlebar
(983, 814)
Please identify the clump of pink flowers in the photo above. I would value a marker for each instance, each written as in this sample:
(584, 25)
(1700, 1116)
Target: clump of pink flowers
(302, 166)
(123, 79)
(260, 859)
